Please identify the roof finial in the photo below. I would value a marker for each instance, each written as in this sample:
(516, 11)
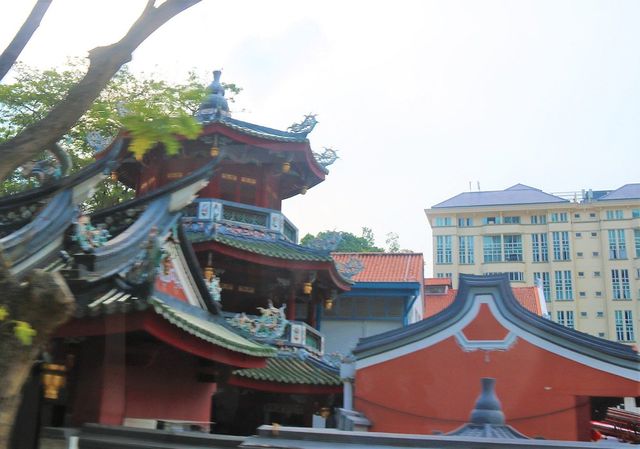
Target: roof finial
(215, 105)
(488, 409)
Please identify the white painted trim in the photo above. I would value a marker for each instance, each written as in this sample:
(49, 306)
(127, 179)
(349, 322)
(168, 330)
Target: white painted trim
(628, 373)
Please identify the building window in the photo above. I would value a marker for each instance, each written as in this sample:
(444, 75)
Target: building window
(540, 247)
(580, 274)
(512, 248)
(617, 246)
(592, 215)
(620, 284)
(579, 254)
(538, 219)
(635, 213)
(564, 286)
(578, 234)
(598, 294)
(444, 249)
(492, 248)
(565, 317)
(465, 249)
(576, 215)
(561, 245)
(600, 314)
(465, 222)
(582, 294)
(558, 217)
(491, 220)
(624, 325)
(511, 220)
(594, 234)
(596, 274)
(614, 214)
(595, 254)
(636, 241)
(444, 275)
(542, 277)
(583, 315)
(601, 334)
(516, 276)
(442, 221)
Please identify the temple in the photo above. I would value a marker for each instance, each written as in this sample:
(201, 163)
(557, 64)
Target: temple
(196, 306)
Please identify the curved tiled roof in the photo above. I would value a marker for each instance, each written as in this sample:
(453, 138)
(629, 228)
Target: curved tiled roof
(385, 267)
(435, 303)
(612, 353)
(292, 369)
(280, 249)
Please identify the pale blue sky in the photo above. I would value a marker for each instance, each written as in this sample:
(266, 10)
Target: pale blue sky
(418, 97)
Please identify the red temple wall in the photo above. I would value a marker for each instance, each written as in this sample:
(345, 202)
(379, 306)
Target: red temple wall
(154, 382)
(435, 388)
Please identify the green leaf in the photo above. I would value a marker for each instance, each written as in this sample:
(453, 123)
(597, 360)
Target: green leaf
(3, 313)
(24, 332)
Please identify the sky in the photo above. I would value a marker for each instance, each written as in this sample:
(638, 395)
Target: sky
(422, 99)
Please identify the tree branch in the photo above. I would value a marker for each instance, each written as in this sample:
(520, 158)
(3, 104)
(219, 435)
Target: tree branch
(23, 36)
(104, 62)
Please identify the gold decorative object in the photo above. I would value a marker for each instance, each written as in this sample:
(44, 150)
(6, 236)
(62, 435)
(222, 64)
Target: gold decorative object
(53, 378)
(208, 272)
(325, 412)
(214, 152)
(286, 167)
(307, 288)
(328, 304)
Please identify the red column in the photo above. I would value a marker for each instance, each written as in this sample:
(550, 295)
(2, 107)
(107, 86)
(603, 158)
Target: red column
(291, 304)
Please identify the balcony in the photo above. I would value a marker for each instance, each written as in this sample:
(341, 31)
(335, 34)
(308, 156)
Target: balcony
(272, 327)
(215, 211)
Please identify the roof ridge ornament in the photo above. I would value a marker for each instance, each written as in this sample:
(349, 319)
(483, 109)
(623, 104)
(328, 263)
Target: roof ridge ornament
(305, 126)
(215, 105)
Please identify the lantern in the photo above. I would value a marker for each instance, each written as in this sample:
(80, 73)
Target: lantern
(53, 378)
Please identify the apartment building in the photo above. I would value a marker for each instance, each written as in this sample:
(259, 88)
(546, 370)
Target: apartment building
(583, 251)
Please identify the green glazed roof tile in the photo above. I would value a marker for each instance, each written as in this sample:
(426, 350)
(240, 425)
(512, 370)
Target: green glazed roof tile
(290, 370)
(272, 248)
(211, 332)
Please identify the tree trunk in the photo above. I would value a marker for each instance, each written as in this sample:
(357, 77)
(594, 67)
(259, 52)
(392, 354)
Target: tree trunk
(104, 62)
(23, 36)
(45, 302)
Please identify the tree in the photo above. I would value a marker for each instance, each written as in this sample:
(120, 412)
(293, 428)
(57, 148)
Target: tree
(345, 241)
(42, 299)
(152, 109)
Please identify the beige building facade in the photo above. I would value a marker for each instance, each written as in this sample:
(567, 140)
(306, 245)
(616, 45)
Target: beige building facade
(583, 252)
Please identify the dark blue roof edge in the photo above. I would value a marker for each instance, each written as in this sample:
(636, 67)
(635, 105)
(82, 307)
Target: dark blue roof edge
(196, 271)
(580, 342)
(264, 129)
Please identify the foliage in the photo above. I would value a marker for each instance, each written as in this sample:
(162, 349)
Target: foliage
(21, 329)
(348, 242)
(393, 243)
(153, 111)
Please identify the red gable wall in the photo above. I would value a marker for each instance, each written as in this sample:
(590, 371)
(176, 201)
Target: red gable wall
(435, 388)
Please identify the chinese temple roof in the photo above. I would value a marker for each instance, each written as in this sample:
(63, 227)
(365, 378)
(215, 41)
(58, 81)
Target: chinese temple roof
(260, 243)
(385, 267)
(210, 328)
(290, 368)
(261, 131)
(250, 244)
